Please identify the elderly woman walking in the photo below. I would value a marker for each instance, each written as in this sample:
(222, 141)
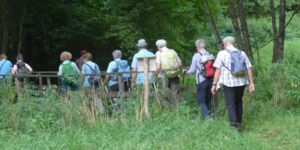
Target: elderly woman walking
(68, 72)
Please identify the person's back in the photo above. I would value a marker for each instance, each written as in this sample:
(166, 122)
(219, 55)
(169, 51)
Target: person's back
(92, 70)
(141, 54)
(68, 72)
(117, 66)
(170, 63)
(5, 67)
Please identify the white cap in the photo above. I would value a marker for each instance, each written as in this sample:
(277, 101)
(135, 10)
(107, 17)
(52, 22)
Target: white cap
(161, 43)
(141, 43)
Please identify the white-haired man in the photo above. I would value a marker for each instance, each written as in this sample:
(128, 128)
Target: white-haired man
(233, 71)
(170, 64)
(203, 81)
(138, 78)
(117, 66)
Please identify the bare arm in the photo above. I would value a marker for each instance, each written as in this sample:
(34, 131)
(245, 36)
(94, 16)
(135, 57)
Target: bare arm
(133, 74)
(216, 79)
(251, 82)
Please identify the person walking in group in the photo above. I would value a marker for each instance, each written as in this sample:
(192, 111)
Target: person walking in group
(5, 68)
(68, 72)
(201, 65)
(80, 60)
(233, 71)
(138, 78)
(19, 70)
(91, 72)
(170, 64)
(120, 67)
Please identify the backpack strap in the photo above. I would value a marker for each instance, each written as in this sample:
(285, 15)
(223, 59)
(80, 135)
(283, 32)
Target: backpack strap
(118, 65)
(3, 65)
(91, 67)
(3, 76)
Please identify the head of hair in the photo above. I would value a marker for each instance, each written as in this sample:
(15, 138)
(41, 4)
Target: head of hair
(161, 43)
(88, 56)
(229, 39)
(3, 56)
(117, 54)
(65, 56)
(19, 57)
(82, 52)
(200, 43)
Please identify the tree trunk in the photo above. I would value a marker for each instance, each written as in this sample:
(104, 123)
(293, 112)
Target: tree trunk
(274, 28)
(4, 35)
(281, 31)
(21, 29)
(213, 25)
(244, 29)
(235, 24)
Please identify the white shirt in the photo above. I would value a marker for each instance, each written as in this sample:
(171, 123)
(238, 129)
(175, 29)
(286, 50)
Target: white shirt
(15, 68)
(226, 78)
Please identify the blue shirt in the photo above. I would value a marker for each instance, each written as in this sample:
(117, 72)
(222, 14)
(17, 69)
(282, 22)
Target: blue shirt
(142, 53)
(5, 68)
(89, 68)
(110, 69)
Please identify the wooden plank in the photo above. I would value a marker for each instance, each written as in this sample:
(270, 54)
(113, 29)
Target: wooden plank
(40, 82)
(151, 64)
(146, 86)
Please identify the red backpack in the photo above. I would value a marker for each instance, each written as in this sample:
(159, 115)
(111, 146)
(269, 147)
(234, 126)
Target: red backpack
(208, 70)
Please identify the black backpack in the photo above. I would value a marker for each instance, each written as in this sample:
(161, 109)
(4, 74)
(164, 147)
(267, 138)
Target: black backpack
(21, 71)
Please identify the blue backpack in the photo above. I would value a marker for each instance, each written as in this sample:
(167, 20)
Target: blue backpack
(123, 68)
(238, 65)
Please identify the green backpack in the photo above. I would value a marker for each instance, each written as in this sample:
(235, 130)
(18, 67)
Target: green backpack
(69, 75)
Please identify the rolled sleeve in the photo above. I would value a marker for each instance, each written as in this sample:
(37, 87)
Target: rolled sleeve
(110, 67)
(218, 62)
(60, 70)
(134, 63)
(158, 57)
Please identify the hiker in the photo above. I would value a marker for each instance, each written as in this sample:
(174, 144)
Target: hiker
(117, 66)
(68, 72)
(91, 81)
(91, 71)
(202, 63)
(80, 60)
(170, 64)
(233, 72)
(19, 70)
(138, 78)
(5, 68)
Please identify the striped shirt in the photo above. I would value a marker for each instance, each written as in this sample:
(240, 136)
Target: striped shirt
(226, 78)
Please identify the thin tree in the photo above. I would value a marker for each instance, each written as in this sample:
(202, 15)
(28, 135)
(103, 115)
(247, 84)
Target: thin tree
(244, 29)
(279, 35)
(235, 23)
(274, 28)
(21, 28)
(213, 26)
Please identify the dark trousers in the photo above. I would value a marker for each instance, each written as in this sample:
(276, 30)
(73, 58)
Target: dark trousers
(234, 104)
(173, 85)
(204, 97)
(115, 87)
